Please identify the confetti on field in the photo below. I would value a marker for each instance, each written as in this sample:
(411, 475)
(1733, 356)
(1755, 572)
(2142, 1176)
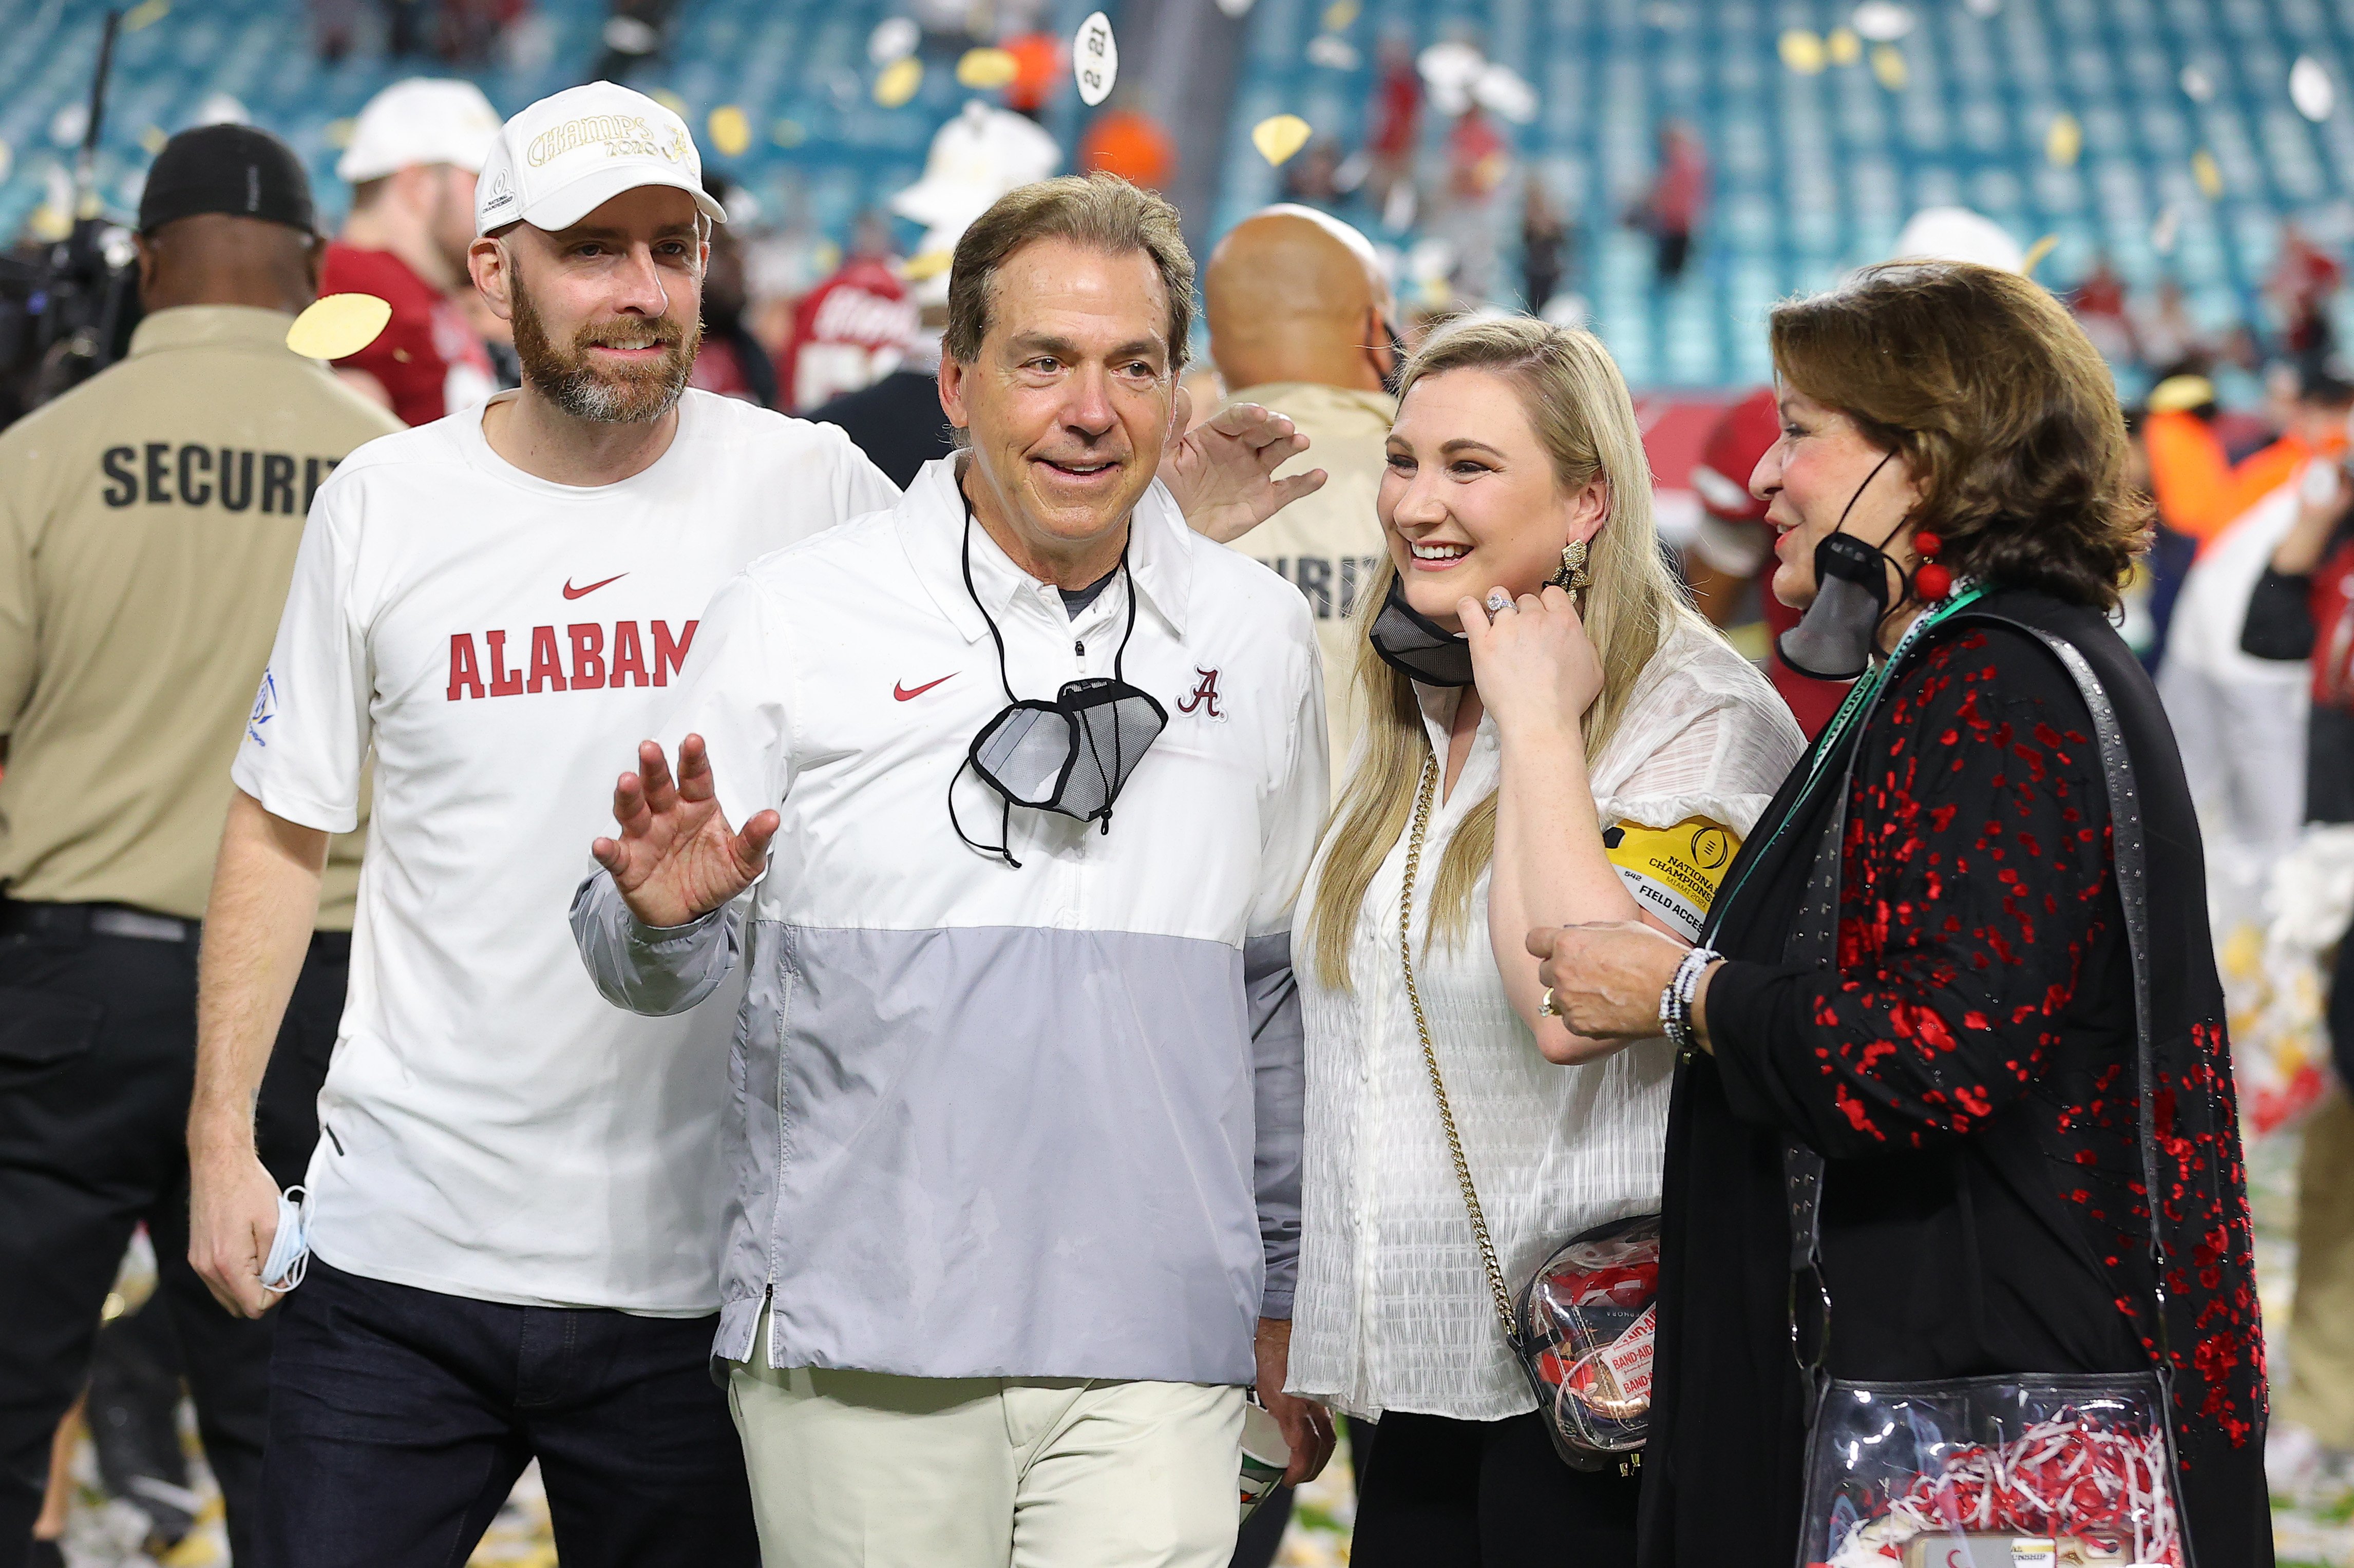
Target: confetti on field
(984, 69)
(2036, 253)
(2063, 141)
(731, 131)
(2197, 85)
(1802, 51)
(336, 326)
(145, 15)
(1339, 15)
(898, 82)
(1888, 64)
(1278, 136)
(2209, 175)
(1095, 59)
(1842, 46)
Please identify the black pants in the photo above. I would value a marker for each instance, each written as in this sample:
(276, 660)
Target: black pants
(399, 1419)
(97, 1060)
(1486, 1494)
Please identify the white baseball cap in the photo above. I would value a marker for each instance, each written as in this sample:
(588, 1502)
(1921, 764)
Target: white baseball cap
(567, 156)
(424, 120)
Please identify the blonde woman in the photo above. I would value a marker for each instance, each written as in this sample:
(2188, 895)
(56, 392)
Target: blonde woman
(1579, 746)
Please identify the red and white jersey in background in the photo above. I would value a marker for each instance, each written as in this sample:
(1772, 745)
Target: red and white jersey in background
(849, 332)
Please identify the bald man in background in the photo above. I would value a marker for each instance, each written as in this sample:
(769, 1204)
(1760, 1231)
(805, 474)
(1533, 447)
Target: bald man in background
(1299, 317)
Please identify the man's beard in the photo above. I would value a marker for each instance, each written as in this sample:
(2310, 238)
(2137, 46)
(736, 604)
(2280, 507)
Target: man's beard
(622, 395)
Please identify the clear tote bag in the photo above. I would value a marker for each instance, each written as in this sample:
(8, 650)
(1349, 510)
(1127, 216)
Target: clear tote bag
(2022, 1470)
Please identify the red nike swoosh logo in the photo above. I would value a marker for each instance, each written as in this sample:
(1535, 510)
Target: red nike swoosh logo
(571, 592)
(903, 693)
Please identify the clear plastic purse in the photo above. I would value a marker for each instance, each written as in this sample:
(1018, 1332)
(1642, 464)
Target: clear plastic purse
(1584, 1327)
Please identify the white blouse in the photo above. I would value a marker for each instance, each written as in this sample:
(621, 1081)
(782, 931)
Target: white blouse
(1393, 1310)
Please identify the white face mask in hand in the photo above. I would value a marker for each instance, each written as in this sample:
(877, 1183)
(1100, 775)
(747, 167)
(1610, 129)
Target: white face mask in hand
(289, 1249)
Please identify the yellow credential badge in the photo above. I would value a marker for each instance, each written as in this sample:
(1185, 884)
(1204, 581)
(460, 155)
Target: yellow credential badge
(1673, 872)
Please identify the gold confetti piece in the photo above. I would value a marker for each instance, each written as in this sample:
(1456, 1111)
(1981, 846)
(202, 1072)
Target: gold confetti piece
(2063, 141)
(145, 15)
(984, 69)
(1340, 15)
(337, 134)
(2036, 253)
(898, 82)
(669, 100)
(1802, 51)
(788, 134)
(1843, 47)
(2209, 175)
(731, 131)
(153, 139)
(926, 264)
(1888, 66)
(336, 326)
(1278, 136)
(8, 159)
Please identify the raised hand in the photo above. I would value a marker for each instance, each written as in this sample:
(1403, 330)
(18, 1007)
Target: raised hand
(676, 857)
(1223, 471)
(1532, 661)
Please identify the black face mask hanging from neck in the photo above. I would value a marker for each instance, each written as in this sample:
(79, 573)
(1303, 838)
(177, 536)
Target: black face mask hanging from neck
(1833, 641)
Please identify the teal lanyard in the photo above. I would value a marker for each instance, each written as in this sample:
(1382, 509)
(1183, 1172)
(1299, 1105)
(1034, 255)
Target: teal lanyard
(1860, 699)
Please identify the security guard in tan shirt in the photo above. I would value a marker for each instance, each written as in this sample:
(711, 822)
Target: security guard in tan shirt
(148, 524)
(1299, 323)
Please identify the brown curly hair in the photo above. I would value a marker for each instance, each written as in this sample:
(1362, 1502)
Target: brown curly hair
(1994, 398)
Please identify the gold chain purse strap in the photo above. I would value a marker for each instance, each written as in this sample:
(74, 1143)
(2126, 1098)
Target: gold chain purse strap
(1430, 1054)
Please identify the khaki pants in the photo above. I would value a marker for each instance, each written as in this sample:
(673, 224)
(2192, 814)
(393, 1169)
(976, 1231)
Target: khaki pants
(854, 1469)
(2320, 1394)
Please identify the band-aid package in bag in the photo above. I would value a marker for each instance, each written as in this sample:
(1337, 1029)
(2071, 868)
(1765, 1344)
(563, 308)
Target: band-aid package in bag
(1587, 1326)
(2005, 1472)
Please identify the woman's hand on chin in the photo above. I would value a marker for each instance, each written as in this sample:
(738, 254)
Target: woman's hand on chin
(1607, 977)
(1534, 664)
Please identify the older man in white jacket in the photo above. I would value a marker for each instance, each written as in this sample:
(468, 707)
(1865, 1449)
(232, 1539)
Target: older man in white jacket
(1018, 1075)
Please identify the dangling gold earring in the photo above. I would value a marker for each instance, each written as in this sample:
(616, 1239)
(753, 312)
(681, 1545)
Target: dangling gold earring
(1573, 576)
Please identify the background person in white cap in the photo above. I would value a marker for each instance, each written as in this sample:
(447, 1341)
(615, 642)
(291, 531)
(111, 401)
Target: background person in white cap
(517, 1204)
(414, 153)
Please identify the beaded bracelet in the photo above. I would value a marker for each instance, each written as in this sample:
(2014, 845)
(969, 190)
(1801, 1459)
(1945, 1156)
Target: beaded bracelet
(1676, 999)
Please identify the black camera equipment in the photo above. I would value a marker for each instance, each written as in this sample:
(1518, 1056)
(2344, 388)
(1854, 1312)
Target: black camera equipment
(67, 306)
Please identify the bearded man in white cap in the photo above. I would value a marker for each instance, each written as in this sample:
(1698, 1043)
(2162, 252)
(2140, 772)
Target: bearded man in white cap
(414, 153)
(514, 1210)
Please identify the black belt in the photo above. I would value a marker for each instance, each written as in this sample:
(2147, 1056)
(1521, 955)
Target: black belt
(79, 922)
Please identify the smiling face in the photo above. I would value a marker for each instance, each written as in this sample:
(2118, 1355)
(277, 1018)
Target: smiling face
(1069, 403)
(1469, 500)
(607, 313)
(1813, 475)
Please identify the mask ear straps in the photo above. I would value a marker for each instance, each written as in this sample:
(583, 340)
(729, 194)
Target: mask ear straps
(1001, 849)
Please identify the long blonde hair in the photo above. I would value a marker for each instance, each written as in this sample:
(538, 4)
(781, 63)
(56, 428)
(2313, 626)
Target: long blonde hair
(1577, 403)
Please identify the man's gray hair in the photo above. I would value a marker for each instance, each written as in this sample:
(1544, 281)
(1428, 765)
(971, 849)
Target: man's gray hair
(1099, 211)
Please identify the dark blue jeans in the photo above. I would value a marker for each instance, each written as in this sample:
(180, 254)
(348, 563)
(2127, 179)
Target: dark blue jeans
(399, 1419)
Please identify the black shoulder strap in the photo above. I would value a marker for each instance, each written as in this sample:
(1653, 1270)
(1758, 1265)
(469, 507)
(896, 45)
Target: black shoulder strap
(1815, 940)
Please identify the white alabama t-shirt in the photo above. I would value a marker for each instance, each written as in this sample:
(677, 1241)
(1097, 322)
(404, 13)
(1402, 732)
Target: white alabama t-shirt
(490, 1126)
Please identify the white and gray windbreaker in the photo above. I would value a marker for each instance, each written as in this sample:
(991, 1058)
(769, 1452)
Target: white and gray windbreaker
(989, 1121)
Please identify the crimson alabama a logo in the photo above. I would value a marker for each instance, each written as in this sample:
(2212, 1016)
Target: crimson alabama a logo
(1203, 698)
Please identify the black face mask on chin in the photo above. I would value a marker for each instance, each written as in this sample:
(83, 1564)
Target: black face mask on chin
(1412, 643)
(1833, 639)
